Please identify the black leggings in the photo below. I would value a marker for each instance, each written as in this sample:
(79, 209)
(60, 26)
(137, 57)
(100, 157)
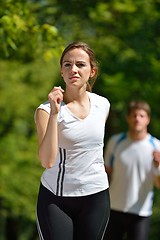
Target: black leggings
(127, 226)
(72, 218)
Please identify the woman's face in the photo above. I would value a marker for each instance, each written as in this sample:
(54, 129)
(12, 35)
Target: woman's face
(76, 69)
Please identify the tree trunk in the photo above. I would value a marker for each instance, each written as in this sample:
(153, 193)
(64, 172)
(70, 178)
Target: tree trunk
(12, 228)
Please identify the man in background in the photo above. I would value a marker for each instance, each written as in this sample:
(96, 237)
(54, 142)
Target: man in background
(132, 161)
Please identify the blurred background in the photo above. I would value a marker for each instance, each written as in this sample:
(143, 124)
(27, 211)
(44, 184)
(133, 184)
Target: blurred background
(125, 35)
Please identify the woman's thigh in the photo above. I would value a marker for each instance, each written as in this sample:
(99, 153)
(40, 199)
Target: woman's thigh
(52, 222)
(115, 229)
(60, 218)
(91, 222)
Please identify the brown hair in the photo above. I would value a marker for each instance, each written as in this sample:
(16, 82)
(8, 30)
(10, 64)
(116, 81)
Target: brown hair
(91, 55)
(139, 105)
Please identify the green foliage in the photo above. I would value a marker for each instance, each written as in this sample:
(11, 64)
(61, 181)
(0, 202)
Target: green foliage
(127, 43)
(22, 88)
(22, 33)
(155, 231)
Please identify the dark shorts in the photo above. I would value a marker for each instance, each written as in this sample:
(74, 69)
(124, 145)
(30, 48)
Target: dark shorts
(72, 218)
(127, 226)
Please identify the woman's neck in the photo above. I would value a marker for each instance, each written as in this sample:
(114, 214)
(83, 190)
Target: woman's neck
(75, 96)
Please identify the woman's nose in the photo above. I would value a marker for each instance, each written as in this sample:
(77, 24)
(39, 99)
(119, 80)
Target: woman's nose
(74, 68)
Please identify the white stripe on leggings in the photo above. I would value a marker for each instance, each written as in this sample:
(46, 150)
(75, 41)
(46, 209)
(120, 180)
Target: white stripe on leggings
(39, 229)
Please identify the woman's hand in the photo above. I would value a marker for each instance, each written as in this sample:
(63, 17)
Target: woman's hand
(55, 98)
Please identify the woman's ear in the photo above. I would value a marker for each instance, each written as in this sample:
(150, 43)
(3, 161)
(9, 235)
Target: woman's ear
(93, 72)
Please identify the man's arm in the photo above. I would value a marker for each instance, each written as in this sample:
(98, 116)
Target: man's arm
(156, 162)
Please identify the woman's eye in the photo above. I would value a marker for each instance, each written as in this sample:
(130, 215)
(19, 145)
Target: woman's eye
(80, 65)
(67, 64)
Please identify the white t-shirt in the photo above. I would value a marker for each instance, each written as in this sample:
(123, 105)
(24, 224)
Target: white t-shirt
(79, 167)
(131, 187)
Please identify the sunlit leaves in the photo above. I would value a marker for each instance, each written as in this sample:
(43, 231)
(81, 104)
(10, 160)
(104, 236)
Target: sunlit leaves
(22, 33)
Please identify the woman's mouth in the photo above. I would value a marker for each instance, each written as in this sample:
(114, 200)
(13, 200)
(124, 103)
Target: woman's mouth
(74, 78)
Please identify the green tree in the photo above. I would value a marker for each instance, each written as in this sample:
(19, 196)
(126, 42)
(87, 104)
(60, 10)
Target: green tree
(29, 50)
(24, 36)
